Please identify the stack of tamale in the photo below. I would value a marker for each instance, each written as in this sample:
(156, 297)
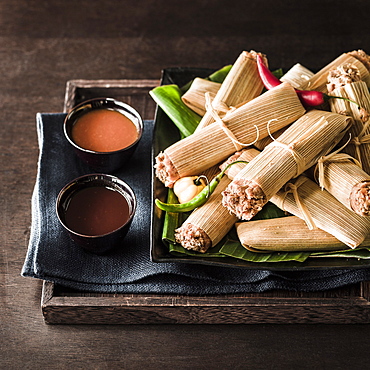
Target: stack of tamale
(284, 145)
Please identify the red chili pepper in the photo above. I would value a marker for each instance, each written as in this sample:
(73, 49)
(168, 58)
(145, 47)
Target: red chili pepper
(312, 98)
(269, 80)
(308, 98)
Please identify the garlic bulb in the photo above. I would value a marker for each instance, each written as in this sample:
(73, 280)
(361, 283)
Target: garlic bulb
(186, 188)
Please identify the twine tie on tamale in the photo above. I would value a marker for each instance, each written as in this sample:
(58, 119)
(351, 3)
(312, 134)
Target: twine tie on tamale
(293, 188)
(361, 139)
(299, 160)
(218, 106)
(335, 156)
(211, 109)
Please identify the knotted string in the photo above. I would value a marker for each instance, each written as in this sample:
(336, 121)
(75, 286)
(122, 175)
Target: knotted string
(360, 139)
(293, 188)
(212, 110)
(298, 158)
(219, 106)
(335, 156)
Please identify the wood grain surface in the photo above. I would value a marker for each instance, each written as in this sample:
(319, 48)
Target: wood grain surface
(44, 44)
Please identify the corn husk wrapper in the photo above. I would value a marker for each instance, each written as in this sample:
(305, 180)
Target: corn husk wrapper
(241, 85)
(239, 128)
(211, 172)
(212, 220)
(316, 207)
(318, 80)
(195, 99)
(342, 177)
(285, 234)
(297, 76)
(208, 224)
(244, 155)
(297, 149)
(261, 144)
(359, 146)
(304, 198)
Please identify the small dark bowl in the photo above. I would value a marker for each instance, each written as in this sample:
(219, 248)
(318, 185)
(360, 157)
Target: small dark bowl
(98, 244)
(103, 162)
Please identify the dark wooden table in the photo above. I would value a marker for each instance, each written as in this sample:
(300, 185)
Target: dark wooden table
(45, 44)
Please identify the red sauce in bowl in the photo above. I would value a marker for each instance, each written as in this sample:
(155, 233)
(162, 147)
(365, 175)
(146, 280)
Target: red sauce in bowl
(104, 130)
(96, 210)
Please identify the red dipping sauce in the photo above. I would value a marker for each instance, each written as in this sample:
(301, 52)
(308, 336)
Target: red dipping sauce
(96, 210)
(104, 130)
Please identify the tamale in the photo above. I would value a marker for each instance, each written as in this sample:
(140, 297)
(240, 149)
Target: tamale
(345, 82)
(285, 234)
(239, 128)
(297, 76)
(304, 198)
(241, 85)
(208, 224)
(195, 99)
(342, 177)
(356, 58)
(297, 149)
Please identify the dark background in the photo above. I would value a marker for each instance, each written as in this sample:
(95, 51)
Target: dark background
(43, 44)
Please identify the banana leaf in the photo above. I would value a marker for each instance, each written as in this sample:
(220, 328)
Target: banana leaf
(360, 253)
(233, 248)
(220, 74)
(178, 250)
(168, 97)
(172, 220)
(278, 73)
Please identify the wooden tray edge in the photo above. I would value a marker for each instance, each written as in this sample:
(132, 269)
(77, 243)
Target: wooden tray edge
(172, 309)
(145, 309)
(73, 85)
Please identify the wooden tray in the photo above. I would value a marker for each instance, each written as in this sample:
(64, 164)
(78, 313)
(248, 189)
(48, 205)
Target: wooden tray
(60, 305)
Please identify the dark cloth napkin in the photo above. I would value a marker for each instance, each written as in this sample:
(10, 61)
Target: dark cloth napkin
(54, 257)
